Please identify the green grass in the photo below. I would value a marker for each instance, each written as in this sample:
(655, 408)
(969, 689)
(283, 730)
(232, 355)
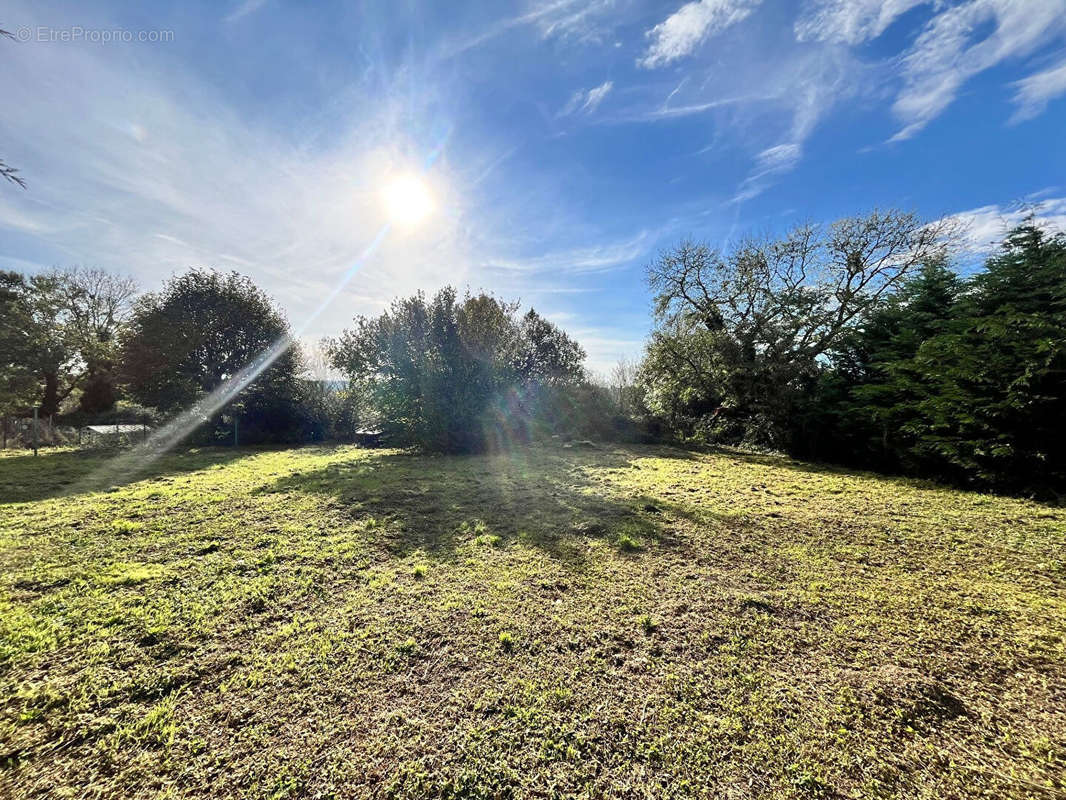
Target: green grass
(631, 622)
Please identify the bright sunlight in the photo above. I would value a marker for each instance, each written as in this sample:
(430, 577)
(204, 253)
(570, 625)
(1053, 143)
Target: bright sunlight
(407, 200)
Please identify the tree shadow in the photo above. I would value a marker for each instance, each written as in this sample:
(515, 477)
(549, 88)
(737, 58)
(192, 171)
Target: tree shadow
(25, 478)
(435, 504)
(912, 482)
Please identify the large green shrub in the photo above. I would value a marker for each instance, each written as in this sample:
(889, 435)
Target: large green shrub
(455, 374)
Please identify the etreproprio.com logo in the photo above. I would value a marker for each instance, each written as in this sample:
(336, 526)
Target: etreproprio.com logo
(77, 33)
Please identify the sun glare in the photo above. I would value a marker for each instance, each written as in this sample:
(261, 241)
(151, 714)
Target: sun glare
(408, 201)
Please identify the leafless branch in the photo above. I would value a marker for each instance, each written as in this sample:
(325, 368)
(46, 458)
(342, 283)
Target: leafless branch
(11, 174)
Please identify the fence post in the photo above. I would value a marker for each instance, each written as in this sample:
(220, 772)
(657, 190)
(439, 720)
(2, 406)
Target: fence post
(4, 423)
(35, 430)
(236, 428)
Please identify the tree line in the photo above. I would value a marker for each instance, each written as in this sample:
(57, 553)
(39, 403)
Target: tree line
(854, 342)
(451, 372)
(858, 343)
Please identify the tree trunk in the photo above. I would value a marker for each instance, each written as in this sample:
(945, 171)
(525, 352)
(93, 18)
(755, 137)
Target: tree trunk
(50, 401)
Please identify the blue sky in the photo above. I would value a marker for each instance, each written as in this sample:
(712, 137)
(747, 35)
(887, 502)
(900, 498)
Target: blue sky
(564, 141)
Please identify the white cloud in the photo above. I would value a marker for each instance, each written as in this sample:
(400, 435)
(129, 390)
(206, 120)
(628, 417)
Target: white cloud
(810, 88)
(576, 20)
(683, 31)
(780, 157)
(850, 22)
(596, 96)
(772, 161)
(1035, 92)
(606, 347)
(587, 102)
(959, 41)
(983, 227)
(673, 93)
(244, 9)
(947, 53)
(580, 21)
(150, 173)
(19, 214)
(645, 114)
(602, 257)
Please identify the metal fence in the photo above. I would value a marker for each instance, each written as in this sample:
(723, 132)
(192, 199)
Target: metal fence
(35, 433)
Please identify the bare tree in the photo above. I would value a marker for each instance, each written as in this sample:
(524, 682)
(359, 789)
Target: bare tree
(797, 293)
(8, 172)
(97, 301)
(623, 386)
(74, 318)
(767, 310)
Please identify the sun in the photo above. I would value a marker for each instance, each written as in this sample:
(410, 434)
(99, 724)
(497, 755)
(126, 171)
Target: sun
(407, 200)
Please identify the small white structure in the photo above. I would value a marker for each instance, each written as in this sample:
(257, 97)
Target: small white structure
(113, 434)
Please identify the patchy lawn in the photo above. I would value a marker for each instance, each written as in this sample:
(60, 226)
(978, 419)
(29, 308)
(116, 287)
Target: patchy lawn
(610, 622)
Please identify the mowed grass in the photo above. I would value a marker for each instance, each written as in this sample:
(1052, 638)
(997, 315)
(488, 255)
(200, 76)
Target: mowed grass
(609, 622)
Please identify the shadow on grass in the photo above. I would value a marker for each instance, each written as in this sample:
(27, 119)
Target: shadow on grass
(914, 482)
(537, 495)
(26, 478)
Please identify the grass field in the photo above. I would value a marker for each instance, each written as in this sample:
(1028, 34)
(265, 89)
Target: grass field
(601, 622)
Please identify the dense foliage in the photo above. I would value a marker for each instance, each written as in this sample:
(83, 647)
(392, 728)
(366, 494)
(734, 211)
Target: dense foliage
(458, 374)
(739, 336)
(894, 363)
(17, 379)
(202, 329)
(964, 380)
(60, 334)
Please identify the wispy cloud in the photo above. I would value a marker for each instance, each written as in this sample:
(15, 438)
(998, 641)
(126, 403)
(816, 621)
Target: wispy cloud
(587, 101)
(850, 22)
(151, 173)
(951, 50)
(244, 9)
(683, 31)
(674, 91)
(824, 67)
(1035, 92)
(772, 161)
(957, 42)
(563, 19)
(602, 257)
(780, 157)
(808, 89)
(655, 114)
(24, 215)
(584, 21)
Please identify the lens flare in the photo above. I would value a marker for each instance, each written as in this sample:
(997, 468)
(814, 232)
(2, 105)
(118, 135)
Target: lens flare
(126, 467)
(407, 200)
